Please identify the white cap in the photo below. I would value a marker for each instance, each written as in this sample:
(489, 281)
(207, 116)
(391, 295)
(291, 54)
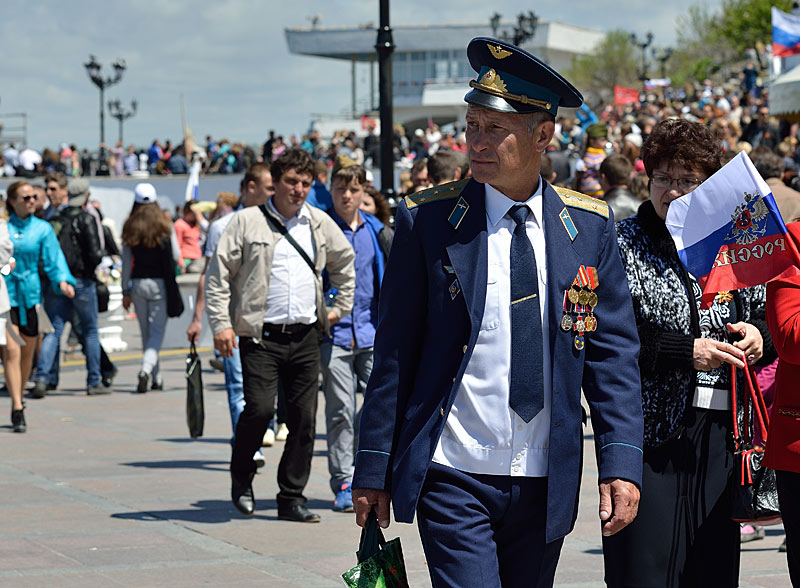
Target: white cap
(144, 193)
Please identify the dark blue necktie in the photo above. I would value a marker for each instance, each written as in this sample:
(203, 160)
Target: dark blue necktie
(526, 392)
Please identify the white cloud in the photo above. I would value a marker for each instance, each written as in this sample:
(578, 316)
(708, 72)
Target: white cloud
(228, 58)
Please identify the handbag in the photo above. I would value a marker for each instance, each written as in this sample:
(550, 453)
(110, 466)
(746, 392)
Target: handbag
(195, 411)
(174, 298)
(380, 563)
(754, 491)
(103, 296)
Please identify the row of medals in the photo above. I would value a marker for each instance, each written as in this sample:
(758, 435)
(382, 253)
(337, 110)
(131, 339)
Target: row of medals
(580, 324)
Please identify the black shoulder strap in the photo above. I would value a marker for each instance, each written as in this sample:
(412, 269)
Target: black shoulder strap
(282, 230)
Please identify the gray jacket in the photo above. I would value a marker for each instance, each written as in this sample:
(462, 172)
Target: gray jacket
(238, 274)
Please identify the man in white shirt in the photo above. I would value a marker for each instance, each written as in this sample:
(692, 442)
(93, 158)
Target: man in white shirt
(502, 298)
(264, 285)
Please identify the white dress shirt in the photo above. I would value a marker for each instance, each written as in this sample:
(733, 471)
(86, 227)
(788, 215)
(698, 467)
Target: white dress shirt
(482, 434)
(292, 289)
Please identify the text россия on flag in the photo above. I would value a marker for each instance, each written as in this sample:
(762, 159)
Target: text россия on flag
(729, 233)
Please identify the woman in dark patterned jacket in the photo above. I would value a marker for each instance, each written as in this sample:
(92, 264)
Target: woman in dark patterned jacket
(683, 534)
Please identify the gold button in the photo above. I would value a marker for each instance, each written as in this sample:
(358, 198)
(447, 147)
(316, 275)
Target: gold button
(441, 411)
(454, 379)
(464, 349)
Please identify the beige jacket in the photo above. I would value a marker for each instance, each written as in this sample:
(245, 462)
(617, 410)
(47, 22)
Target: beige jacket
(238, 274)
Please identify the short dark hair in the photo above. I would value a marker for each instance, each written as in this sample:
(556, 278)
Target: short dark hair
(293, 158)
(681, 142)
(442, 166)
(254, 173)
(617, 169)
(57, 177)
(187, 207)
(350, 173)
(11, 191)
(770, 165)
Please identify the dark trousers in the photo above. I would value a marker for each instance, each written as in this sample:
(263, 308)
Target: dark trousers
(683, 535)
(294, 361)
(487, 531)
(788, 493)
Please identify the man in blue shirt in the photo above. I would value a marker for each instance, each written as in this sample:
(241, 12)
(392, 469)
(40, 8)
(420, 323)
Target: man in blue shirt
(347, 356)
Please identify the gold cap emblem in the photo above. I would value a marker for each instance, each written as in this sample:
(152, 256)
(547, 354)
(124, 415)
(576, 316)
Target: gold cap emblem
(492, 80)
(498, 52)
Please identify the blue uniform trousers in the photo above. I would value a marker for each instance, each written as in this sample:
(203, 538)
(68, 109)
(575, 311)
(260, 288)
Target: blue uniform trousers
(485, 530)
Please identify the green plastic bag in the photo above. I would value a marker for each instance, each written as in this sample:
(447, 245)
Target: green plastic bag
(380, 563)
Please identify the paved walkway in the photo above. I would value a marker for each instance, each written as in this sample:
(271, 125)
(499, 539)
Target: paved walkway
(111, 491)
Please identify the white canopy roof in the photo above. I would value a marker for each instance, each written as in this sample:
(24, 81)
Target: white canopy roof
(784, 95)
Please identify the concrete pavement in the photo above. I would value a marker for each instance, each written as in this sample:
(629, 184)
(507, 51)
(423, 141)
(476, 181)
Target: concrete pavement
(111, 491)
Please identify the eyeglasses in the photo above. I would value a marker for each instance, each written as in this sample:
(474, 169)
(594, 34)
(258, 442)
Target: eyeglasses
(684, 184)
(29, 197)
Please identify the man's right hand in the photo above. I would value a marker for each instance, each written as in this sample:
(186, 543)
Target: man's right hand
(365, 499)
(225, 342)
(194, 330)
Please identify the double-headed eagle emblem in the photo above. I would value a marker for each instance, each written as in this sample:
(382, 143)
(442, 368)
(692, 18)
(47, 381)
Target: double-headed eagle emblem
(746, 220)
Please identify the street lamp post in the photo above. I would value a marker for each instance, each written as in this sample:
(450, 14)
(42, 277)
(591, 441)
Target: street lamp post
(385, 46)
(662, 59)
(118, 111)
(94, 69)
(643, 45)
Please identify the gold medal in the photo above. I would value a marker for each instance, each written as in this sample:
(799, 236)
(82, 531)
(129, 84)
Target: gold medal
(566, 323)
(593, 299)
(591, 323)
(579, 342)
(573, 295)
(583, 297)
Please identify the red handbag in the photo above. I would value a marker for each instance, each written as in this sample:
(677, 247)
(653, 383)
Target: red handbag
(754, 492)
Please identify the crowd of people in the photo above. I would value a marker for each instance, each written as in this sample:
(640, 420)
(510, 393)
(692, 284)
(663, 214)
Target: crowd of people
(466, 414)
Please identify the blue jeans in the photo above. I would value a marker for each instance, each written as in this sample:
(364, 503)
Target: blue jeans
(232, 367)
(60, 308)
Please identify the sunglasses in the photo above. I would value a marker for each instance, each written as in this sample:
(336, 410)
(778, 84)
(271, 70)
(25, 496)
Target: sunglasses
(29, 197)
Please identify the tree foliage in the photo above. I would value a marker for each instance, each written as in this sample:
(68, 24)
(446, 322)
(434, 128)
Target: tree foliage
(747, 23)
(613, 63)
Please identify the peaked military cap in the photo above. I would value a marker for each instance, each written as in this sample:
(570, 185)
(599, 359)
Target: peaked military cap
(512, 80)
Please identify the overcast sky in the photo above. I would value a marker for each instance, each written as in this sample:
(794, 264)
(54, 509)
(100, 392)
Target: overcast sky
(228, 58)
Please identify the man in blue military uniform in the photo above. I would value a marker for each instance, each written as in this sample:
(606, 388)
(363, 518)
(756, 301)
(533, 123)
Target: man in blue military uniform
(502, 298)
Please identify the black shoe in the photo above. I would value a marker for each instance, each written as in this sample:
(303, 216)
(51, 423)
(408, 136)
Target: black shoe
(217, 364)
(18, 420)
(108, 379)
(782, 547)
(157, 385)
(39, 389)
(98, 390)
(143, 381)
(242, 496)
(297, 513)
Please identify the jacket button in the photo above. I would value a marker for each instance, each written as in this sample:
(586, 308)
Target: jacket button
(464, 349)
(454, 380)
(441, 411)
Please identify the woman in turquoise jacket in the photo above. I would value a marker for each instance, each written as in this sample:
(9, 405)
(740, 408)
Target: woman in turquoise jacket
(34, 240)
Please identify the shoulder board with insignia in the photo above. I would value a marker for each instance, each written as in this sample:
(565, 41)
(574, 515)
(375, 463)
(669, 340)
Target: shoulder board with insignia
(577, 200)
(436, 193)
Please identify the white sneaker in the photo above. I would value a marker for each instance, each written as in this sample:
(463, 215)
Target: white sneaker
(283, 432)
(269, 438)
(258, 457)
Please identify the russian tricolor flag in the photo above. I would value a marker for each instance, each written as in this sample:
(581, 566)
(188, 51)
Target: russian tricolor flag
(785, 33)
(729, 232)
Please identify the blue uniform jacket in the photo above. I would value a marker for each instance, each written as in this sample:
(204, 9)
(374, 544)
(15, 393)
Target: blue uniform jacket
(426, 335)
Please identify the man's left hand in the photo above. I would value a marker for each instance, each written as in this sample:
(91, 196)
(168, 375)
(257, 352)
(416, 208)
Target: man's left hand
(619, 503)
(333, 318)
